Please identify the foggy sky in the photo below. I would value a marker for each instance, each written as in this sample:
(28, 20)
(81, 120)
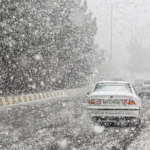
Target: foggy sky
(130, 19)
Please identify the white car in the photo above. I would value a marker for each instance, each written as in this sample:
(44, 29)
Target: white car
(114, 101)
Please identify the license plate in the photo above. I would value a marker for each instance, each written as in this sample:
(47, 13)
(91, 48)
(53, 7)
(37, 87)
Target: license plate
(111, 102)
(98, 102)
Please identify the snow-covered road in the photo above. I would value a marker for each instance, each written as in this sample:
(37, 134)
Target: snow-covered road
(61, 124)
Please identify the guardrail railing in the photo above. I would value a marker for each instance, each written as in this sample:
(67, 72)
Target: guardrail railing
(22, 99)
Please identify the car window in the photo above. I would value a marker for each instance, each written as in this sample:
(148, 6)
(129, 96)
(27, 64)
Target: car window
(147, 82)
(113, 88)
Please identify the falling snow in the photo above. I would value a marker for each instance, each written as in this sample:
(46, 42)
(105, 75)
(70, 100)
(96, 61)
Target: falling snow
(54, 45)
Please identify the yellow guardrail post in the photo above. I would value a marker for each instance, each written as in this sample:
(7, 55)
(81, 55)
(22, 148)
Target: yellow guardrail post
(51, 94)
(1, 102)
(19, 99)
(30, 98)
(13, 100)
(35, 97)
(39, 97)
(43, 95)
(25, 98)
(7, 101)
(47, 94)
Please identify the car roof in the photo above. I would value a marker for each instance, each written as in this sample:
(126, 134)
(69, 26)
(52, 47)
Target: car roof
(120, 82)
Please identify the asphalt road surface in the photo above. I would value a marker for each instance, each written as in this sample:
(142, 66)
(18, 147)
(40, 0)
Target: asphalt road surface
(62, 124)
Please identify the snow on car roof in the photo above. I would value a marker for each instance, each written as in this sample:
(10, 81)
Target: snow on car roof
(121, 82)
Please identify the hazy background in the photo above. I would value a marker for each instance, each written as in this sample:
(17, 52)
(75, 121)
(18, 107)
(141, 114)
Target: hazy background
(131, 20)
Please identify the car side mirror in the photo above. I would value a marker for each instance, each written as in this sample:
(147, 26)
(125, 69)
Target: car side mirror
(139, 94)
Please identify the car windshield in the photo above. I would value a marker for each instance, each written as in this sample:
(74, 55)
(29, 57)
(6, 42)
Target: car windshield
(125, 88)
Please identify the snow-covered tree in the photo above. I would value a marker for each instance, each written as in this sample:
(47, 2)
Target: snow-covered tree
(139, 60)
(44, 45)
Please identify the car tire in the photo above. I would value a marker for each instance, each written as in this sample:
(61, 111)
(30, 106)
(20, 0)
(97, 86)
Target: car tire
(94, 119)
(134, 124)
(107, 124)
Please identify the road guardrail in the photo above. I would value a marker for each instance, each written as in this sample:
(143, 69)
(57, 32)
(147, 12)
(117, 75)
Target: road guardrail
(22, 99)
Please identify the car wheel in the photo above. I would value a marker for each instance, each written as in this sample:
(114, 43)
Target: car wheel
(94, 119)
(107, 124)
(135, 124)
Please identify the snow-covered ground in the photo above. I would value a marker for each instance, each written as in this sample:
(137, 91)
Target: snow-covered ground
(61, 124)
(142, 142)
